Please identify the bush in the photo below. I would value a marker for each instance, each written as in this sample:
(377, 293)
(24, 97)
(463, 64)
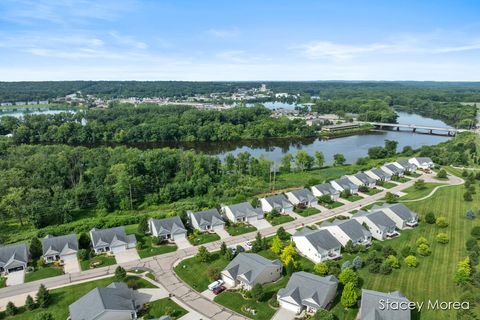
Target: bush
(213, 273)
(363, 188)
(374, 267)
(83, 254)
(390, 197)
(321, 269)
(120, 274)
(132, 284)
(346, 265)
(323, 314)
(43, 297)
(282, 234)
(430, 218)
(349, 295)
(420, 184)
(424, 250)
(470, 215)
(467, 196)
(203, 255)
(30, 303)
(385, 268)
(442, 238)
(475, 232)
(393, 262)
(442, 174)
(441, 222)
(389, 251)
(407, 251)
(357, 262)
(471, 243)
(11, 309)
(421, 240)
(348, 276)
(257, 292)
(44, 316)
(411, 261)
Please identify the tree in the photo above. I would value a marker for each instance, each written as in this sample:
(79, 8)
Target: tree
(391, 147)
(390, 197)
(84, 241)
(349, 248)
(430, 218)
(286, 163)
(463, 273)
(349, 295)
(282, 234)
(323, 314)
(44, 316)
(442, 174)
(257, 292)
(357, 262)
(385, 268)
(393, 262)
(223, 249)
(411, 261)
(346, 265)
(348, 276)
(277, 245)
(303, 160)
(35, 249)
(30, 303)
(213, 273)
(258, 243)
(321, 269)
(143, 225)
(442, 238)
(420, 184)
(441, 222)
(319, 158)
(11, 309)
(43, 297)
(407, 251)
(388, 251)
(289, 254)
(475, 232)
(203, 255)
(421, 240)
(467, 196)
(290, 268)
(120, 274)
(339, 159)
(424, 250)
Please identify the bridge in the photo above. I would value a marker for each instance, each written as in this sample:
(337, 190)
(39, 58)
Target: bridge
(415, 127)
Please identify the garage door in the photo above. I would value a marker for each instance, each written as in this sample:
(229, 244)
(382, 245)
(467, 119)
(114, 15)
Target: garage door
(15, 269)
(118, 249)
(289, 306)
(218, 227)
(69, 257)
(179, 236)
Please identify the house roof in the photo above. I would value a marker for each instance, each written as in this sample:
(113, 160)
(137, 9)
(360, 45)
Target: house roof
(279, 201)
(351, 227)
(326, 188)
(12, 255)
(399, 209)
(244, 209)
(306, 289)
(322, 240)
(109, 237)
(115, 297)
(173, 225)
(303, 195)
(248, 266)
(61, 245)
(380, 173)
(406, 165)
(423, 160)
(346, 184)
(393, 168)
(379, 218)
(372, 308)
(364, 178)
(209, 217)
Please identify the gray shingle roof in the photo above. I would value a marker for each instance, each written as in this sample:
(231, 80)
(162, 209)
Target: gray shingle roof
(407, 165)
(371, 307)
(380, 173)
(351, 227)
(346, 184)
(10, 255)
(61, 245)
(173, 225)
(244, 209)
(249, 266)
(279, 201)
(400, 210)
(393, 168)
(303, 195)
(364, 178)
(322, 240)
(115, 297)
(109, 237)
(307, 289)
(209, 217)
(423, 160)
(380, 219)
(326, 188)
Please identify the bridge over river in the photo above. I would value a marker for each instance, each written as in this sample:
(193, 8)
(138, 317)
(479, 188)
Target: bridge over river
(415, 128)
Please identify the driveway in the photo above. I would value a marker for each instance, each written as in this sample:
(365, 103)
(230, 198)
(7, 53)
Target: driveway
(284, 314)
(261, 224)
(182, 243)
(71, 266)
(16, 277)
(127, 256)
(222, 233)
(208, 294)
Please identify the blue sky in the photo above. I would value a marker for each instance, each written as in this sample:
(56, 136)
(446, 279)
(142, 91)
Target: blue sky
(239, 40)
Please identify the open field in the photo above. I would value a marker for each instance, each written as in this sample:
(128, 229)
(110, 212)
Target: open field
(413, 193)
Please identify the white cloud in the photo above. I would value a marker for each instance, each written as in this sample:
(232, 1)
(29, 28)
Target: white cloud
(331, 50)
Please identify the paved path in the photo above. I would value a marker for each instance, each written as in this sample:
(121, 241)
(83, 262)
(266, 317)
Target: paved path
(452, 181)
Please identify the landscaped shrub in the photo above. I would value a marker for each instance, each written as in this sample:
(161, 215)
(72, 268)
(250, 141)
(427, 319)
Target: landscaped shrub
(411, 261)
(441, 222)
(476, 232)
(393, 262)
(430, 218)
(385, 268)
(442, 238)
(424, 250)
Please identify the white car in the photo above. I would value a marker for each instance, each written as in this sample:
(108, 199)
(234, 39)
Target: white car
(215, 284)
(248, 245)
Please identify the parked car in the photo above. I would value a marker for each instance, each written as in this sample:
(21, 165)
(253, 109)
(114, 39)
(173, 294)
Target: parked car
(219, 290)
(215, 284)
(233, 249)
(248, 245)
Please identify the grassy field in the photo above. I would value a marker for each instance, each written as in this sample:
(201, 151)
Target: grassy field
(353, 198)
(42, 273)
(413, 193)
(202, 238)
(235, 230)
(161, 307)
(307, 211)
(372, 191)
(275, 221)
(148, 249)
(236, 302)
(103, 261)
(332, 205)
(389, 185)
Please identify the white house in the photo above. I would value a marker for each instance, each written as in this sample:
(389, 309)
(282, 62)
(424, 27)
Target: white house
(400, 214)
(207, 220)
(422, 162)
(317, 245)
(393, 169)
(326, 189)
(62, 248)
(168, 228)
(302, 197)
(378, 174)
(344, 184)
(242, 212)
(348, 230)
(405, 165)
(279, 202)
(379, 224)
(362, 179)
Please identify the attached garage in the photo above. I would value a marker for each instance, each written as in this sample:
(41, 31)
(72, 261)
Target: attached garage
(290, 306)
(118, 249)
(19, 268)
(179, 236)
(69, 257)
(228, 281)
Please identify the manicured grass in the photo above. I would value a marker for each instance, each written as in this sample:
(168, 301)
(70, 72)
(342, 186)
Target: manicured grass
(353, 198)
(236, 302)
(161, 307)
(43, 272)
(414, 193)
(149, 248)
(389, 185)
(307, 211)
(369, 206)
(194, 272)
(402, 179)
(141, 283)
(202, 238)
(237, 229)
(331, 205)
(281, 219)
(104, 260)
(372, 191)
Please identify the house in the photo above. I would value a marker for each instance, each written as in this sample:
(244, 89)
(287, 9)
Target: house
(378, 174)
(373, 306)
(325, 189)
(302, 197)
(116, 301)
(59, 248)
(400, 213)
(307, 291)
(344, 184)
(168, 228)
(405, 165)
(393, 169)
(13, 257)
(378, 223)
(348, 230)
(317, 245)
(422, 162)
(279, 203)
(111, 240)
(248, 269)
(207, 220)
(242, 212)
(362, 179)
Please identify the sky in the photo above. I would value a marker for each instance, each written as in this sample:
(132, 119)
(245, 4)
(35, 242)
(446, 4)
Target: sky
(238, 40)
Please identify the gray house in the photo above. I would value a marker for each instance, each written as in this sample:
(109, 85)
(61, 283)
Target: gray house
(344, 184)
(242, 212)
(373, 306)
(248, 269)
(379, 224)
(378, 174)
(111, 240)
(307, 291)
(393, 169)
(407, 166)
(13, 258)
(168, 228)
(279, 203)
(348, 230)
(325, 189)
(362, 179)
(207, 220)
(59, 248)
(117, 301)
(317, 245)
(400, 213)
(303, 197)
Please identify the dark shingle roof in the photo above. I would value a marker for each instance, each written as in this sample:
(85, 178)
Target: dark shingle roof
(244, 209)
(373, 309)
(59, 245)
(173, 225)
(111, 237)
(399, 209)
(303, 195)
(351, 227)
(10, 255)
(279, 201)
(249, 266)
(326, 188)
(209, 217)
(364, 178)
(346, 184)
(322, 240)
(380, 219)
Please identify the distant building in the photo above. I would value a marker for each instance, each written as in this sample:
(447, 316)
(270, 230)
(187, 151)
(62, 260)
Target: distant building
(325, 189)
(378, 223)
(340, 127)
(422, 162)
(111, 240)
(348, 230)
(279, 203)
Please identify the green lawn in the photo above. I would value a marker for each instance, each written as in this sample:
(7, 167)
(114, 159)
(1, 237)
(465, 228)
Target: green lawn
(102, 260)
(148, 249)
(369, 206)
(281, 219)
(164, 306)
(372, 191)
(389, 185)
(307, 211)
(331, 205)
(42, 273)
(240, 228)
(202, 238)
(194, 272)
(413, 193)
(353, 198)
(236, 302)
(141, 283)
